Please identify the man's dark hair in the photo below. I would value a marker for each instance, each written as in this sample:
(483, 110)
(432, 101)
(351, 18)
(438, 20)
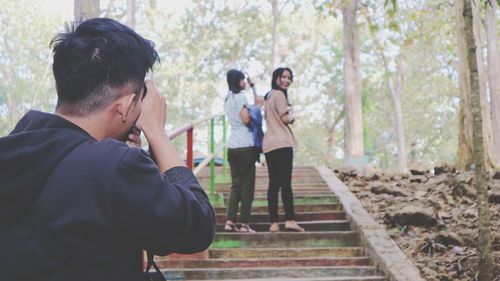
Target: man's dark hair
(233, 80)
(274, 81)
(96, 58)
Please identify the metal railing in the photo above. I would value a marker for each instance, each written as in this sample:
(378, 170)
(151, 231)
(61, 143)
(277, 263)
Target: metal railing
(215, 198)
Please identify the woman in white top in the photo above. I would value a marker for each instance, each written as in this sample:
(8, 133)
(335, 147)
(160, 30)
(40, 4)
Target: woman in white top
(241, 152)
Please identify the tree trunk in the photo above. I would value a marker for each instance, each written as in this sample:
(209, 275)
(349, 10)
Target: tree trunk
(331, 137)
(331, 147)
(483, 79)
(396, 93)
(275, 34)
(131, 13)
(464, 152)
(354, 146)
(86, 9)
(493, 74)
(465, 146)
(109, 8)
(486, 265)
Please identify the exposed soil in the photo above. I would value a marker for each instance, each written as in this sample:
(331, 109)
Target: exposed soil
(432, 217)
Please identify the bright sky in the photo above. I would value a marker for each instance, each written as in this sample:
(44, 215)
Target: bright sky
(65, 7)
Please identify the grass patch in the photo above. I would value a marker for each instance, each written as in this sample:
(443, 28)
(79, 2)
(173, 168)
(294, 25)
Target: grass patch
(302, 201)
(225, 244)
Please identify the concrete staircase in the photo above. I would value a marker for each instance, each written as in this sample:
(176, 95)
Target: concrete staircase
(328, 250)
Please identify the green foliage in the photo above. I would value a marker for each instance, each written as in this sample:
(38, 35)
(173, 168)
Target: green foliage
(488, 2)
(394, 5)
(425, 41)
(25, 71)
(200, 43)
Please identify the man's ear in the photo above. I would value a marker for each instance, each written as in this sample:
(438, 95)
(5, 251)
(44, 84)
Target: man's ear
(123, 105)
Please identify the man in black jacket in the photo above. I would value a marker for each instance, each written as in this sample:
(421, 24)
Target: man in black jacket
(78, 203)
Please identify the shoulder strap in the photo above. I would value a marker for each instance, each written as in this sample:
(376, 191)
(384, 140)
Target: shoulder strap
(152, 276)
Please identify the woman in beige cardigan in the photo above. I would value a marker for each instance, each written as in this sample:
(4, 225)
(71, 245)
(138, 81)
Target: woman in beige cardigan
(278, 144)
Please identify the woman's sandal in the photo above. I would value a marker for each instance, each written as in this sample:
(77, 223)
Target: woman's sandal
(245, 228)
(230, 227)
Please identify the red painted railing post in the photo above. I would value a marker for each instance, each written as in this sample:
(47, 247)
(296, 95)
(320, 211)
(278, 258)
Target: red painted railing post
(188, 129)
(189, 156)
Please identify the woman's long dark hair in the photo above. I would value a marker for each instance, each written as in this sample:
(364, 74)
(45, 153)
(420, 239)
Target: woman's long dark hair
(233, 80)
(274, 82)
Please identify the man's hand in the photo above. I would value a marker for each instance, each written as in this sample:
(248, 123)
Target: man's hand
(152, 122)
(153, 112)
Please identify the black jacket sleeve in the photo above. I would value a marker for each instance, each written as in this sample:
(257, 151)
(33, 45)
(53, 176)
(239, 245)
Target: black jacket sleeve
(166, 212)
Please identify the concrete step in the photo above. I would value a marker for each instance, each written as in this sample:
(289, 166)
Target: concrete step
(328, 250)
(270, 272)
(286, 252)
(295, 170)
(262, 172)
(298, 208)
(285, 239)
(366, 278)
(299, 194)
(263, 262)
(299, 182)
(261, 200)
(264, 188)
(261, 175)
(295, 175)
(295, 184)
(309, 216)
(327, 225)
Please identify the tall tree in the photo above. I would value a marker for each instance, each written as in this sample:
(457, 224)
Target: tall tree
(85, 9)
(465, 146)
(416, 30)
(486, 265)
(333, 117)
(493, 73)
(131, 13)
(277, 11)
(275, 34)
(353, 119)
(483, 81)
(395, 84)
